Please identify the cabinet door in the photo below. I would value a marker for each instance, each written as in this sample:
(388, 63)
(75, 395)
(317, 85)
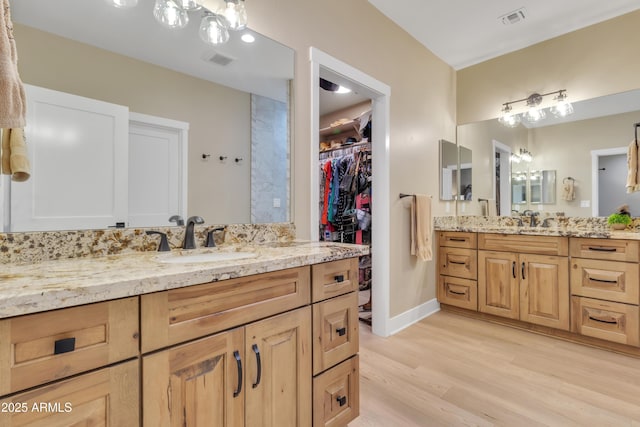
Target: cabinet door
(278, 392)
(107, 397)
(498, 284)
(544, 290)
(195, 384)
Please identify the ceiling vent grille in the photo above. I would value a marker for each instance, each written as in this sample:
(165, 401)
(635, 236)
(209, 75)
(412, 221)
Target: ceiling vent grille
(513, 17)
(219, 59)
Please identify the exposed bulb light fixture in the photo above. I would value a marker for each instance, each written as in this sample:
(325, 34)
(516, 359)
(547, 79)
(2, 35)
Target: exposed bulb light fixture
(123, 4)
(508, 118)
(522, 156)
(215, 24)
(333, 87)
(535, 111)
(562, 107)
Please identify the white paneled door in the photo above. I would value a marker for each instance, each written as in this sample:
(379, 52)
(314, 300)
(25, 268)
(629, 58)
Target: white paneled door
(78, 152)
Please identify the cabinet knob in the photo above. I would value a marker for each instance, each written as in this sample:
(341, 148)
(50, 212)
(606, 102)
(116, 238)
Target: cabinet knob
(342, 400)
(341, 331)
(339, 278)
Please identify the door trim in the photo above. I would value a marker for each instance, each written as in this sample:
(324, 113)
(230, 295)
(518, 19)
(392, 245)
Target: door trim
(379, 93)
(595, 160)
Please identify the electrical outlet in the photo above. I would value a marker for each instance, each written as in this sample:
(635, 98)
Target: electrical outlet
(276, 203)
(585, 203)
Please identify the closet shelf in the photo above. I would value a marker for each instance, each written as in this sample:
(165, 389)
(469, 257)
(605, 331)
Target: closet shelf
(351, 125)
(344, 146)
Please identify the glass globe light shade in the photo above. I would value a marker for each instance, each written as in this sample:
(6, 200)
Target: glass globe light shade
(562, 108)
(508, 118)
(169, 14)
(213, 30)
(535, 114)
(123, 4)
(235, 14)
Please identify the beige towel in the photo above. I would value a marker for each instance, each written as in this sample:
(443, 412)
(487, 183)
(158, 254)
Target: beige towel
(421, 227)
(568, 190)
(633, 184)
(12, 102)
(15, 161)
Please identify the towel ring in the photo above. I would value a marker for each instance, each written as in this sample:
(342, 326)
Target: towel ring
(564, 181)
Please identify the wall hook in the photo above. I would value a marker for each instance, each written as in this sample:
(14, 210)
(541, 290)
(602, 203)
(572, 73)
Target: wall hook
(206, 156)
(238, 159)
(223, 158)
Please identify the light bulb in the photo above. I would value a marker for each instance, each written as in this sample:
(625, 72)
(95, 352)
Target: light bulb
(123, 4)
(213, 30)
(508, 118)
(188, 5)
(235, 14)
(535, 114)
(169, 14)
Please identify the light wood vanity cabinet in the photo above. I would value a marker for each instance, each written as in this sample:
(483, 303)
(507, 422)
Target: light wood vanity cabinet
(605, 289)
(458, 269)
(335, 343)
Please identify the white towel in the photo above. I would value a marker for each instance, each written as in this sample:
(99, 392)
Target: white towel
(421, 227)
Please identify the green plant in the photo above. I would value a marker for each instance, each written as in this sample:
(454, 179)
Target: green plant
(618, 218)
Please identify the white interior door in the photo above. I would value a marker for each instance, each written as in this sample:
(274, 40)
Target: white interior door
(157, 170)
(78, 152)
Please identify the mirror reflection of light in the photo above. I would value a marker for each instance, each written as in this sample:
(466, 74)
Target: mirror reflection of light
(248, 38)
(66, 138)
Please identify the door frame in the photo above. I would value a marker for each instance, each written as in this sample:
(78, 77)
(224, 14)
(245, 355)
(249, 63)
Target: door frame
(379, 93)
(595, 160)
(505, 208)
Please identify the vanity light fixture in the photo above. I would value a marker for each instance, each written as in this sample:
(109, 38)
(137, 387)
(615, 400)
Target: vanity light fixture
(535, 111)
(522, 156)
(219, 17)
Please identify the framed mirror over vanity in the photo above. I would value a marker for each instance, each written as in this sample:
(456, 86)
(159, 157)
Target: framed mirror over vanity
(169, 124)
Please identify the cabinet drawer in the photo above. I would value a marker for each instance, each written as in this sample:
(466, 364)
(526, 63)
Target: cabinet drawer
(458, 262)
(609, 321)
(540, 245)
(609, 280)
(336, 395)
(334, 278)
(459, 292)
(43, 347)
(457, 239)
(107, 397)
(178, 315)
(335, 331)
(613, 250)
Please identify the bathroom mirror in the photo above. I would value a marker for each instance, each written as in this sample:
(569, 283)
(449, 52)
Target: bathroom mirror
(466, 175)
(124, 56)
(576, 146)
(448, 170)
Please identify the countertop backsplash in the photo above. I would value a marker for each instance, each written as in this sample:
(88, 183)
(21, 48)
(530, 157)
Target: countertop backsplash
(31, 247)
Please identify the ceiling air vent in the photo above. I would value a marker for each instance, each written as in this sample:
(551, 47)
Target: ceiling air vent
(220, 59)
(513, 17)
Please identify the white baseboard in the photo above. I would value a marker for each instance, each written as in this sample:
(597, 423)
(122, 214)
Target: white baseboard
(416, 314)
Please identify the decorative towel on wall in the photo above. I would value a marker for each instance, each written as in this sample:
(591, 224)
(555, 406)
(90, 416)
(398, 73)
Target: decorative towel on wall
(12, 102)
(568, 189)
(15, 161)
(633, 183)
(421, 227)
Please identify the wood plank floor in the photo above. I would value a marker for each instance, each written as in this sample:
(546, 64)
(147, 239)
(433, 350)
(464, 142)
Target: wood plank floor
(448, 370)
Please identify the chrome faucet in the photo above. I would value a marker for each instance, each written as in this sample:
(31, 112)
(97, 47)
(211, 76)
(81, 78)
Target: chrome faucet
(177, 219)
(189, 235)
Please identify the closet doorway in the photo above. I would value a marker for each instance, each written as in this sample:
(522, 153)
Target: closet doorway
(378, 94)
(609, 179)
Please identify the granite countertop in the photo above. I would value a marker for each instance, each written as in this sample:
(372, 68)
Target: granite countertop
(567, 227)
(31, 288)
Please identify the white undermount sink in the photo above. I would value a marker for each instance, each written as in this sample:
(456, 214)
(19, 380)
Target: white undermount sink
(204, 258)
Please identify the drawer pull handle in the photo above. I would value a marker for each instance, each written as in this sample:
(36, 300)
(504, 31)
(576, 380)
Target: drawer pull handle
(610, 322)
(236, 354)
(342, 400)
(341, 331)
(602, 280)
(594, 248)
(65, 345)
(457, 262)
(339, 278)
(456, 292)
(457, 239)
(259, 363)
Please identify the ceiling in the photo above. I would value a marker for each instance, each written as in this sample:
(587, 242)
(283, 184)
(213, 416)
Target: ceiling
(467, 32)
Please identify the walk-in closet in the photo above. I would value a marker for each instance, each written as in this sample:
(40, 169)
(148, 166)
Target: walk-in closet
(344, 165)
